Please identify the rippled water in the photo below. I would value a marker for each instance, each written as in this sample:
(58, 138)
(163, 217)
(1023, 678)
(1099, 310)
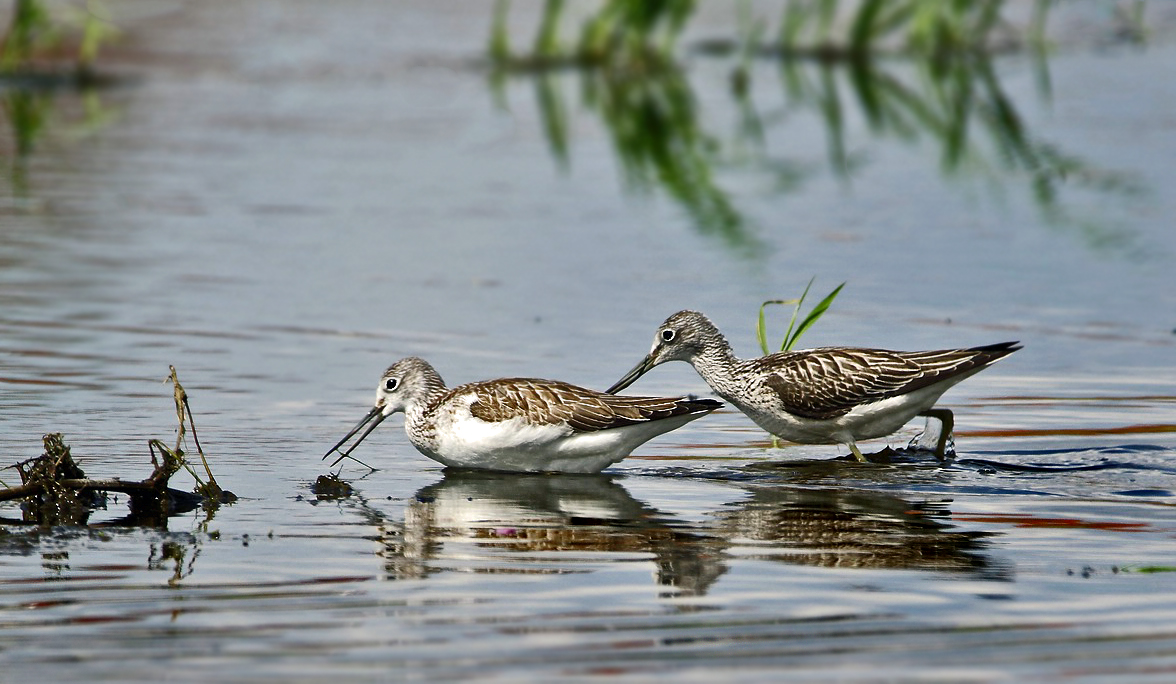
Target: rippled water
(281, 199)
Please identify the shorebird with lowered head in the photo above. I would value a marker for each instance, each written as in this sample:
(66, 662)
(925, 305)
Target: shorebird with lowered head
(830, 395)
(519, 424)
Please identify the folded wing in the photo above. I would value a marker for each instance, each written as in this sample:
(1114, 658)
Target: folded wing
(550, 402)
(827, 383)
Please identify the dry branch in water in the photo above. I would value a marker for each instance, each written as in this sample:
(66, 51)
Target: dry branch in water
(57, 492)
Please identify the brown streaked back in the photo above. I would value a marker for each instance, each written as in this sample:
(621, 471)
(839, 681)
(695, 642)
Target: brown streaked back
(828, 382)
(551, 402)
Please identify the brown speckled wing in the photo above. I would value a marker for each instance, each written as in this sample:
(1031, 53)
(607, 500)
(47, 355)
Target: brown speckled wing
(549, 402)
(826, 383)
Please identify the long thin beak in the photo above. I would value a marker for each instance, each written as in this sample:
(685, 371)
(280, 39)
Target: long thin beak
(375, 414)
(631, 377)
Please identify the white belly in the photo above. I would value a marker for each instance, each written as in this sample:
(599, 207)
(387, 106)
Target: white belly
(464, 441)
(868, 421)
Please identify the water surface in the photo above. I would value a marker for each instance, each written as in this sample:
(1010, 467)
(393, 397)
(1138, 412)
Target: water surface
(281, 200)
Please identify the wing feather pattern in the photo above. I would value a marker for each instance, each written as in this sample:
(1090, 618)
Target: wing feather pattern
(550, 402)
(828, 382)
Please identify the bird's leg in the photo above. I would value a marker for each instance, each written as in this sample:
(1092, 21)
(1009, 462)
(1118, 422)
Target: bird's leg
(947, 424)
(857, 453)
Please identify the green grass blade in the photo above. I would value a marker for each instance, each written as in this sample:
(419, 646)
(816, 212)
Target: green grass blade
(813, 315)
(787, 343)
(761, 330)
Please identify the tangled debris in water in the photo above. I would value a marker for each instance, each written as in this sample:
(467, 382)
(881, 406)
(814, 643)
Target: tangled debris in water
(330, 487)
(47, 479)
(55, 490)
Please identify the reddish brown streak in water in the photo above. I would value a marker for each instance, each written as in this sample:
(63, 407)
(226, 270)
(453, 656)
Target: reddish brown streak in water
(1044, 398)
(1031, 521)
(1075, 432)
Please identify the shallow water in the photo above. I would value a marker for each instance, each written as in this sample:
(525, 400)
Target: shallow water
(281, 200)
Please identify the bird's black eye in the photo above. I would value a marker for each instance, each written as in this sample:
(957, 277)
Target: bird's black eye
(668, 335)
(390, 384)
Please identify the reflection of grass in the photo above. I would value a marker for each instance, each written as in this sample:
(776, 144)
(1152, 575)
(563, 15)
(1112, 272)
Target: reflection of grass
(830, 30)
(30, 30)
(653, 124)
(824, 49)
(30, 115)
(951, 44)
(34, 46)
(27, 111)
(656, 134)
(630, 79)
(638, 36)
(960, 105)
(35, 37)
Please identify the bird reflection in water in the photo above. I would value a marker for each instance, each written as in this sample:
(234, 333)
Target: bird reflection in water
(548, 524)
(850, 528)
(572, 515)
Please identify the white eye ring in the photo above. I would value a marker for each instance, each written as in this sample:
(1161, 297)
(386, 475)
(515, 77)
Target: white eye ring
(390, 384)
(668, 335)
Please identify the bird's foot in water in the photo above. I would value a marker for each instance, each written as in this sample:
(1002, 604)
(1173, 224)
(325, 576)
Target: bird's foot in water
(884, 456)
(937, 435)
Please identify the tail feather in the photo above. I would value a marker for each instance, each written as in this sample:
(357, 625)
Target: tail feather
(1001, 348)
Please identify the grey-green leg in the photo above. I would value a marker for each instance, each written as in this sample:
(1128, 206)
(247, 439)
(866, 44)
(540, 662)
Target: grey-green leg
(947, 424)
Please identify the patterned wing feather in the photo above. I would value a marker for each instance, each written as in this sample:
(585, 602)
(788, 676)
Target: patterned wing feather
(549, 402)
(827, 383)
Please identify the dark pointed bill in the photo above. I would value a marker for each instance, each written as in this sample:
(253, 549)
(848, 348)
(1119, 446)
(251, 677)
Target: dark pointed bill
(631, 377)
(376, 414)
